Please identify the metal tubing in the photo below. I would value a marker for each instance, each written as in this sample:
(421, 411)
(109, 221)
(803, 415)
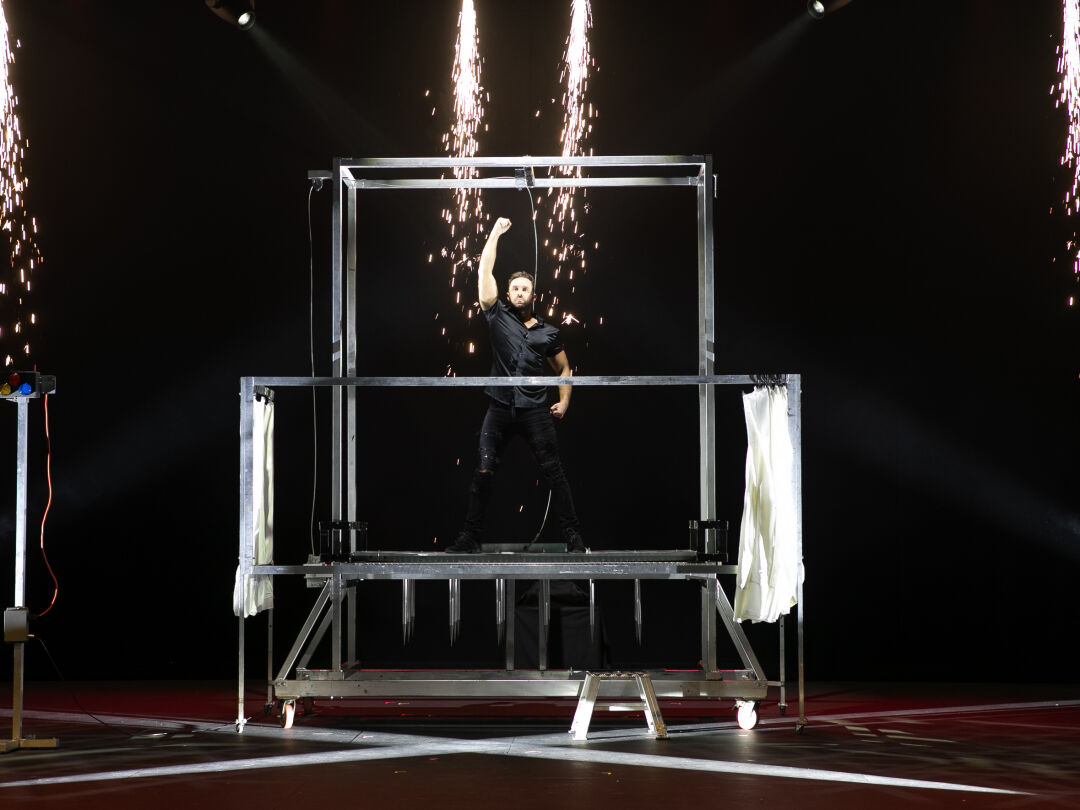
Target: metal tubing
(240, 719)
(507, 382)
(21, 483)
(794, 386)
(510, 182)
(511, 621)
(592, 610)
(305, 632)
(614, 161)
(543, 608)
(746, 652)
(335, 624)
(637, 610)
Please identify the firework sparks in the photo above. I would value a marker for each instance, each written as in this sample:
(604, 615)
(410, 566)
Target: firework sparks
(1069, 97)
(564, 222)
(21, 229)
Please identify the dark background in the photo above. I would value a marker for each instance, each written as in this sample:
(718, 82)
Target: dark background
(888, 225)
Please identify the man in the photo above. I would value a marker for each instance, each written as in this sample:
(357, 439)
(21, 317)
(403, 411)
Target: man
(521, 343)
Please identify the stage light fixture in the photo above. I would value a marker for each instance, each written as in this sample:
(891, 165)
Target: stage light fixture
(819, 8)
(240, 13)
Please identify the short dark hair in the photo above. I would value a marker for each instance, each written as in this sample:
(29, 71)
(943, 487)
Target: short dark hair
(522, 274)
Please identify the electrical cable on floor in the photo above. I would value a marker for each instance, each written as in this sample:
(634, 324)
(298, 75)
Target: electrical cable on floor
(71, 692)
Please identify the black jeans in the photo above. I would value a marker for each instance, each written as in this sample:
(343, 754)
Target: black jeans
(537, 426)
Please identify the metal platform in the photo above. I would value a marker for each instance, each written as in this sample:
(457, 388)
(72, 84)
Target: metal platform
(334, 612)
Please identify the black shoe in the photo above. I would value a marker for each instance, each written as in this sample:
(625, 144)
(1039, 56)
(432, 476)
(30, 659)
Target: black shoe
(463, 545)
(574, 543)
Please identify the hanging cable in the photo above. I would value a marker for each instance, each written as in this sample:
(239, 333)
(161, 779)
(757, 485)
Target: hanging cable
(311, 347)
(536, 280)
(48, 504)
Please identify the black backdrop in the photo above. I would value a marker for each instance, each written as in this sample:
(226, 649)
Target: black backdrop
(888, 225)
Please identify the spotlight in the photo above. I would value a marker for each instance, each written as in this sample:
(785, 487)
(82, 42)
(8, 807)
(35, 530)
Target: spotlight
(819, 8)
(240, 13)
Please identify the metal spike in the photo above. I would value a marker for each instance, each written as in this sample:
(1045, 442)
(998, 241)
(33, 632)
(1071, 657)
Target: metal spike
(592, 610)
(500, 609)
(637, 609)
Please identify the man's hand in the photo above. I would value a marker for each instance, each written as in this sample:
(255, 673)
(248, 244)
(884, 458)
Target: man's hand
(501, 226)
(558, 409)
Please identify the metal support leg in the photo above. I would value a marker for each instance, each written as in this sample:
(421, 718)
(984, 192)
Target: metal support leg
(455, 609)
(592, 610)
(783, 667)
(579, 728)
(408, 610)
(652, 708)
(637, 610)
(17, 740)
(511, 620)
(543, 612)
(500, 609)
(269, 658)
(240, 719)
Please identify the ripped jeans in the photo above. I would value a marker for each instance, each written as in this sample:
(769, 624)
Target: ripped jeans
(537, 426)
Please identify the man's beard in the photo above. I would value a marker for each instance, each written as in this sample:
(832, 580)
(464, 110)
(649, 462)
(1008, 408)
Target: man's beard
(523, 310)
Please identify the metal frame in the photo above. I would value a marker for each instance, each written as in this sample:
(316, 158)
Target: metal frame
(351, 175)
(17, 740)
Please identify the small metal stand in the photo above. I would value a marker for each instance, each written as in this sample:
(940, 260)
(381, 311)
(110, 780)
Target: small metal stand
(579, 729)
(15, 619)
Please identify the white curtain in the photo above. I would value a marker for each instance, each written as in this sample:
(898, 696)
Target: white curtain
(253, 594)
(769, 566)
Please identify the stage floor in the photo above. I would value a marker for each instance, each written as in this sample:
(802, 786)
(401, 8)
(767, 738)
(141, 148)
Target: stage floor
(173, 744)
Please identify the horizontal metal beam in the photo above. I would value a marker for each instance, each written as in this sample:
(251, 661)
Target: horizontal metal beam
(368, 183)
(492, 683)
(455, 382)
(457, 568)
(522, 160)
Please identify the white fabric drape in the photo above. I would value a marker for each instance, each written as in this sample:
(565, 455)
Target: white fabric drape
(769, 567)
(257, 592)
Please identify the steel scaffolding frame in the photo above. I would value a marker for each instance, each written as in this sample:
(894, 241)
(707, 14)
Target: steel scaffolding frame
(334, 579)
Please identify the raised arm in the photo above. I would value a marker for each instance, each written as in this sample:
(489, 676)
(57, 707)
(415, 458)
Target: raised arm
(561, 366)
(489, 290)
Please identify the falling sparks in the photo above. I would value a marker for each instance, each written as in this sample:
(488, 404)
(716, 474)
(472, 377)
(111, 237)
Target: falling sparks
(559, 213)
(564, 221)
(23, 253)
(463, 219)
(1069, 97)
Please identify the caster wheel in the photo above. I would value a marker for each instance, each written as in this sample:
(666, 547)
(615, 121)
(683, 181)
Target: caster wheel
(288, 713)
(747, 715)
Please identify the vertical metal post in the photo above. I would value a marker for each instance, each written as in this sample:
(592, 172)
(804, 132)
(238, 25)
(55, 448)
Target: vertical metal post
(336, 346)
(511, 620)
(269, 657)
(246, 553)
(18, 682)
(335, 622)
(794, 388)
(543, 615)
(350, 400)
(707, 398)
(240, 719)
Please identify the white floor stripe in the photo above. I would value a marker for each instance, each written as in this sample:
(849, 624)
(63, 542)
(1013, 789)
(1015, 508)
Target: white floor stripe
(544, 746)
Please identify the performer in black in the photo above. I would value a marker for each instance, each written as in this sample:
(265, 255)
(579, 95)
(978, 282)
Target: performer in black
(520, 343)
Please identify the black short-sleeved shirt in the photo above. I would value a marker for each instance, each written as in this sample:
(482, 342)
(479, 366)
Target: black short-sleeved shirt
(519, 352)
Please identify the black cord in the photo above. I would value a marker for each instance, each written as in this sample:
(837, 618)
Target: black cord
(536, 281)
(311, 348)
(71, 692)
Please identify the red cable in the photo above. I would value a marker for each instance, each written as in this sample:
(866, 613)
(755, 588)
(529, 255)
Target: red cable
(48, 478)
